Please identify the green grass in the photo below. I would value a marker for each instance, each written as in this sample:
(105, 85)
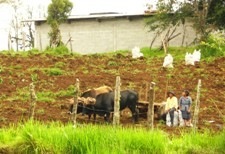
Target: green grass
(35, 137)
(178, 53)
(53, 71)
(59, 65)
(23, 94)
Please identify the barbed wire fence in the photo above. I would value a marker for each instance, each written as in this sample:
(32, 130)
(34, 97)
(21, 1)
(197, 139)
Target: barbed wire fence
(163, 82)
(143, 90)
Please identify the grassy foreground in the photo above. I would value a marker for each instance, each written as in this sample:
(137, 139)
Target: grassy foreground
(35, 137)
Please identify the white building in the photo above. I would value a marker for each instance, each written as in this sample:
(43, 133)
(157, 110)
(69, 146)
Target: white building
(97, 33)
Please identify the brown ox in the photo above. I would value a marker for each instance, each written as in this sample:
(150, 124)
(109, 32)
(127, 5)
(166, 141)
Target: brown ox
(88, 97)
(96, 91)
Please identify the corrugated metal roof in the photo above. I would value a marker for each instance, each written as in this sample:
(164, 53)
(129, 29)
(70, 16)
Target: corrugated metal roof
(103, 15)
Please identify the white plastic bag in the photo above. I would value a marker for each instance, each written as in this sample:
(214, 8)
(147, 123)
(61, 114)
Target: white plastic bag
(136, 53)
(181, 120)
(168, 61)
(189, 60)
(175, 118)
(197, 55)
(168, 119)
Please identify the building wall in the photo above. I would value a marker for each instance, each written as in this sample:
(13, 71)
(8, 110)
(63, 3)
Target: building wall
(93, 36)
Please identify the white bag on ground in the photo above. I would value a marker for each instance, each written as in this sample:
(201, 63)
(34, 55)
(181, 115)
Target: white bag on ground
(168, 61)
(175, 119)
(168, 119)
(181, 120)
(136, 53)
(197, 55)
(189, 60)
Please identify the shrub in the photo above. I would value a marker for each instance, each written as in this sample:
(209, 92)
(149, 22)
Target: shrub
(33, 51)
(214, 46)
(60, 64)
(66, 93)
(112, 63)
(45, 96)
(53, 71)
(60, 50)
(34, 77)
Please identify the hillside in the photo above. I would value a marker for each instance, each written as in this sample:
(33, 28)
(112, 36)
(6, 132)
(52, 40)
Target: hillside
(54, 77)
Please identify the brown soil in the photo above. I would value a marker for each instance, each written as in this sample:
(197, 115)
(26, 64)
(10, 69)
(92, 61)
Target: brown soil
(95, 71)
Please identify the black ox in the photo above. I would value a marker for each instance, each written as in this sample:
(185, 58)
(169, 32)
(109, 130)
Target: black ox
(105, 104)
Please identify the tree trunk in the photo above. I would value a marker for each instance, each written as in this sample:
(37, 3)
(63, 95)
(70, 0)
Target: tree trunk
(151, 106)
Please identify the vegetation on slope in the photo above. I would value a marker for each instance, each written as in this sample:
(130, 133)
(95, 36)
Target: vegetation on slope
(35, 137)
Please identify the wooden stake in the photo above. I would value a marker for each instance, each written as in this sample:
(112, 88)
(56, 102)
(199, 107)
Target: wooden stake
(116, 116)
(146, 91)
(167, 84)
(76, 94)
(33, 100)
(151, 106)
(197, 106)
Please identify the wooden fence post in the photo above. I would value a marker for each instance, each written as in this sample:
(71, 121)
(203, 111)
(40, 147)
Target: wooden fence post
(151, 106)
(76, 94)
(197, 106)
(166, 91)
(33, 100)
(116, 115)
(146, 91)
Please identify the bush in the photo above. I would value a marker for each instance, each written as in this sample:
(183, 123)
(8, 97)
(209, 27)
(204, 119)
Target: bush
(69, 92)
(33, 51)
(60, 50)
(53, 71)
(214, 46)
(45, 96)
(60, 64)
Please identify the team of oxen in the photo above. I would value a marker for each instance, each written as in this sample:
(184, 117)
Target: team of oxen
(100, 101)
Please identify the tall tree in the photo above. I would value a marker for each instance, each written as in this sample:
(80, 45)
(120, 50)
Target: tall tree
(205, 14)
(29, 31)
(216, 15)
(16, 25)
(58, 12)
(170, 14)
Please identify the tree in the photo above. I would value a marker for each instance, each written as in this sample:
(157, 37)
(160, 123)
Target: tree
(16, 26)
(206, 15)
(170, 14)
(29, 32)
(58, 12)
(216, 15)
(21, 33)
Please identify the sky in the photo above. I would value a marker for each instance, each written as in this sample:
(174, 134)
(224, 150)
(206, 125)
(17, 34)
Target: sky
(81, 7)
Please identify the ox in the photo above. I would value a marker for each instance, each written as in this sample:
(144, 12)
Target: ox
(105, 104)
(90, 93)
